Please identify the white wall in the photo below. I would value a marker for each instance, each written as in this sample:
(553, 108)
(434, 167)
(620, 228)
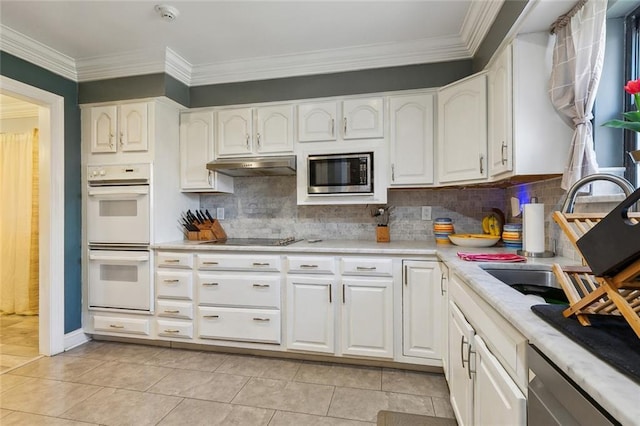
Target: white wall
(18, 125)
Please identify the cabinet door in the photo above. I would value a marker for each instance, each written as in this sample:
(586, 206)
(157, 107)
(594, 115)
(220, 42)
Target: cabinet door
(460, 379)
(500, 115)
(462, 130)
(310, 314)
(274, 131)
(235, 130)
(196, 149)
(103, 129)
(367, 317)
(317, 121)
(498, 401)
(411, 139)
(422, 297)
(444, 283)
(363, 118)
(133, 124)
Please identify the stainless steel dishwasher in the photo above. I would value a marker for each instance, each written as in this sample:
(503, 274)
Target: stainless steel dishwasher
(555, 400)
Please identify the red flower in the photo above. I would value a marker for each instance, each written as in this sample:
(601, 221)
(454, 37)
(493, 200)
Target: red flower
(633, 87)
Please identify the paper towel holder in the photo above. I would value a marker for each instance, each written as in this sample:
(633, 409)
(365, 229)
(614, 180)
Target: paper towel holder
(546, 253)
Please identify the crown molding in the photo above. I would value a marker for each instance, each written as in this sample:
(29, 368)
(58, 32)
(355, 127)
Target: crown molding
(478, 21)
(328, 61)
(28, 49)
(135, 62)
(178, 67)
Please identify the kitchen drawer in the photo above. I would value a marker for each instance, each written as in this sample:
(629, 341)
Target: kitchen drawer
(169, 308)
(174, 260)
(367, 266)
(239, 290)
(175, 329)
(311, 265)
(241, 262)
(121, 325)
(253, 325)
(174, 284)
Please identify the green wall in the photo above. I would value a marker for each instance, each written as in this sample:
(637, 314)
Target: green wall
(25, 72)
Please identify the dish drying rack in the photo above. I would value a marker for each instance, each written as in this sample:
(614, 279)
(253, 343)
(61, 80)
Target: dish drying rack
(589, 294)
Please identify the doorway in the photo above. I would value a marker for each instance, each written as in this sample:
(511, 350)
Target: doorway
(19, 237)
(50, 108)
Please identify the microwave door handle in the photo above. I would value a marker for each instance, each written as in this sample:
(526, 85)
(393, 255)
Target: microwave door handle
(141, 258)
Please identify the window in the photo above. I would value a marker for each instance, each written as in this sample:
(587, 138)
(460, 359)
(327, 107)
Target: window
(632, 72)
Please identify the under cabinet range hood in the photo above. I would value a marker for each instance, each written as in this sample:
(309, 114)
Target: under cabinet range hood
(255, 166)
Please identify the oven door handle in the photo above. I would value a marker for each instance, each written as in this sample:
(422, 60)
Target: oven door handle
(141, 258)
(119, 191)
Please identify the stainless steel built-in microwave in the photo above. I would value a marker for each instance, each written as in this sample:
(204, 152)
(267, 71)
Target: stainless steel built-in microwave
(340, 173)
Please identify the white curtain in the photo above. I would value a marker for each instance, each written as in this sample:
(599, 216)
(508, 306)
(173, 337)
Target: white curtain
(18, 224)
(577, 65)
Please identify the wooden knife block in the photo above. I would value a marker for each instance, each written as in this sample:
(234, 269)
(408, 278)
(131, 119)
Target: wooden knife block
(382, 234)
(207, 231)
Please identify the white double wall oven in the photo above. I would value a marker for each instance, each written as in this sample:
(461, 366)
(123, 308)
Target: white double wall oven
(118, 236)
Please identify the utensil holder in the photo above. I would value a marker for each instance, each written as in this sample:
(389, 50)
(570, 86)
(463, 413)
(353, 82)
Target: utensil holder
(382, 234)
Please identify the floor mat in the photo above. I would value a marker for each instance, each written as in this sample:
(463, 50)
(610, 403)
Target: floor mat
(394, 418)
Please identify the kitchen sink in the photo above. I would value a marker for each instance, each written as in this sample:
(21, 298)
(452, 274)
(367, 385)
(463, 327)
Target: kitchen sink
(535, 282)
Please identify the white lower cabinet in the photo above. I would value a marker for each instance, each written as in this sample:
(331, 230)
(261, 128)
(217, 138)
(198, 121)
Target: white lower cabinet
(482, 391)
(122, 325)
(350, 315)
(367, 317)
(174, 329)
(243, 324)
(311, 313)
(422, 309)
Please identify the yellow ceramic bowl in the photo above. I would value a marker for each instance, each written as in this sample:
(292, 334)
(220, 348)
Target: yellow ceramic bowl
(474, 240)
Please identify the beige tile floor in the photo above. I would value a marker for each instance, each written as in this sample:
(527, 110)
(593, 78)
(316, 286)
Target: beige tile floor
(110, 383)
(18, 340)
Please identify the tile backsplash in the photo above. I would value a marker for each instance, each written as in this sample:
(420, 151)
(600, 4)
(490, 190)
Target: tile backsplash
(266, 207)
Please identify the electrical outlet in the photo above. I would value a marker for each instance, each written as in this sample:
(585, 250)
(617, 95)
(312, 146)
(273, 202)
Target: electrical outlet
(220, 213)
(426, 212)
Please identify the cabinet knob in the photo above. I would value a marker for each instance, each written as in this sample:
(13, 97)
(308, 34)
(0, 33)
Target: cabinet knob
(262, 319)
(258, 139)
(248, 137)
(503, 153)
(345, 125)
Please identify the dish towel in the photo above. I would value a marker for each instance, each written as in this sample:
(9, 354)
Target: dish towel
(491, 257)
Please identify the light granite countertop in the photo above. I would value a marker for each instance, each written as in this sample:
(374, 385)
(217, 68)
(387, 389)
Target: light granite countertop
(615, 392)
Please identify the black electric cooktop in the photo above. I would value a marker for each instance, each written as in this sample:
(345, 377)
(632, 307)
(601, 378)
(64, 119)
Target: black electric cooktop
(253, 241)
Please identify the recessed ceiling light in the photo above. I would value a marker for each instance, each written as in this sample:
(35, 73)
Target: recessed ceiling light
(166, 12)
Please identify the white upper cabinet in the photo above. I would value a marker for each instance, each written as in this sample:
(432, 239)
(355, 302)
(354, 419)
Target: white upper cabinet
(325, 121)
(500, 139)
(254, 131)
(317, 121)
(119, 128)
(462, 130)
(362, 118)
(274, 133)
(526, 134)
(235, 131)
(196, 150)
(411, 139)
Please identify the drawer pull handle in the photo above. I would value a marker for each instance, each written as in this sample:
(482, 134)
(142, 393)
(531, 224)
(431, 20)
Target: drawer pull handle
(262, 319)
(262, 285)
(172, 261)
(116, 326)
(171, 311)
(210, 263)
(209, 284)
(260, 263)
(171, 281)
(172, 331)
(365, 268)
(308, 266)
(211, 316)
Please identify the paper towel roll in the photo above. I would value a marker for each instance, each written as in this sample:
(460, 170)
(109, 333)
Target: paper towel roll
(533, 228)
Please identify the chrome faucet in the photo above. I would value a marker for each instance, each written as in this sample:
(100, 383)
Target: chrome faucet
(570, 200)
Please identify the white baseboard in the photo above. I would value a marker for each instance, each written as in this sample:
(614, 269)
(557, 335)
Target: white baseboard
(75, 338)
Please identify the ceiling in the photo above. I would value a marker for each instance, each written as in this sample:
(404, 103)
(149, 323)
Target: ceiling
(220, 41)
(213, 42)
